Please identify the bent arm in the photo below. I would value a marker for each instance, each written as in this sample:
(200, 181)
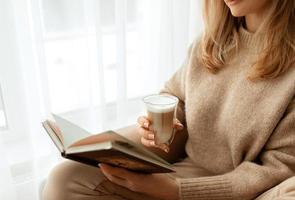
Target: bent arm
(174, 86)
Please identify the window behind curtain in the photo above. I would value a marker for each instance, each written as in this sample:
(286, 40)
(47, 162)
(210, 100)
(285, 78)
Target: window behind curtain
(70, 56)
(81, 50)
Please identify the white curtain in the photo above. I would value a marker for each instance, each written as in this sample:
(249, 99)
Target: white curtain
(90, 61)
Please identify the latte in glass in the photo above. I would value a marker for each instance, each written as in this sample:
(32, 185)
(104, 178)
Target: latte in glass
(161, 111)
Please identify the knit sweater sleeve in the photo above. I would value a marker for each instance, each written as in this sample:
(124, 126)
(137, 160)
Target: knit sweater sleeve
(176, 86)
(275, 163)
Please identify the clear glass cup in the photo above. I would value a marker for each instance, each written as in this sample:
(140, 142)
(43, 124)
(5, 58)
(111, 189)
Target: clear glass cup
(161, 111)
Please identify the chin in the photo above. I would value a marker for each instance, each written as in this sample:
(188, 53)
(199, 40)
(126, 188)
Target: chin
(237, 13)
(238, 8)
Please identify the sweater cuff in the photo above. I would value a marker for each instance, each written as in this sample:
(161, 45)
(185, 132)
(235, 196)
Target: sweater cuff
(213, 188)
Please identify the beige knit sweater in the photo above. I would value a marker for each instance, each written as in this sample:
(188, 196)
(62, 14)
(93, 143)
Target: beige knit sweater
(241, 132)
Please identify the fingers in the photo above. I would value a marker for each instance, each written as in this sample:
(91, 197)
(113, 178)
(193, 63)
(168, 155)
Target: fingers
(111, 175)
(145, 130)
(143, 122)
(163, 147)
(122, 177)
(151, 143)
(148, 143)
(149, 135)
(115, 171)
(119, 174)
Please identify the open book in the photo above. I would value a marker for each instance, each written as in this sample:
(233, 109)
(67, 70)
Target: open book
(108, 147)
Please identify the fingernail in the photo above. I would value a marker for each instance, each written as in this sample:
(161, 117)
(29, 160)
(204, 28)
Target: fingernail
(146, 124)
(165, 148)
(151, 136)
(179, 125)
(152, 143)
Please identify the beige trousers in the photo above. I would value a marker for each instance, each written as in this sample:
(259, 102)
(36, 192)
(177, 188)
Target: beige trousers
(74, 181)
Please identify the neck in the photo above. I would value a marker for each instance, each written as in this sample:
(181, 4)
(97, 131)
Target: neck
(253, 21)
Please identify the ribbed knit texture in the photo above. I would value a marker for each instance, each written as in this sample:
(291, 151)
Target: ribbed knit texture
(202, 188)
(241, 132)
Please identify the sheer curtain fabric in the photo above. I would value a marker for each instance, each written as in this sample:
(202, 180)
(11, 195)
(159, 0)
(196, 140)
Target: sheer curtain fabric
(90, 61)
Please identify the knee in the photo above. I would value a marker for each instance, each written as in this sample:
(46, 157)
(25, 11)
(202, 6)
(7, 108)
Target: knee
(70, 179)
(58, 182)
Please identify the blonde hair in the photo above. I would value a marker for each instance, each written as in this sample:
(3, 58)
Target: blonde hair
(221, 36)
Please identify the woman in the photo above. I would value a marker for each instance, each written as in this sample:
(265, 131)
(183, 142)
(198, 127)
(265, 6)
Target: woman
(237, 102)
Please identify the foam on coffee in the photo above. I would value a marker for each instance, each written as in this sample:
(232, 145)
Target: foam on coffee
(160, 103)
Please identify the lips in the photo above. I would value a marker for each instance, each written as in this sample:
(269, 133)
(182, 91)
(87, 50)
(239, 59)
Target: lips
(232, 2)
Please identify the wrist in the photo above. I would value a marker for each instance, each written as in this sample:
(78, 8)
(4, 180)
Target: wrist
(175, 189)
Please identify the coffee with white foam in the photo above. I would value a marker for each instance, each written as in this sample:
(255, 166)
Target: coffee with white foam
(161, 112)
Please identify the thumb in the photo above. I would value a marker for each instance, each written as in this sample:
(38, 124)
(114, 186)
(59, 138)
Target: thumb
(177, 125)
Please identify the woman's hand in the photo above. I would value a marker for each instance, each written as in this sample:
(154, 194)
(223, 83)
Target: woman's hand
(160, 186)
(148, 136)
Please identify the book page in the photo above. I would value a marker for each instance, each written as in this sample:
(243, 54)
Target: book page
(70, 132)
(137, 152)
(107, 136)
(52, 131)
(111, 136)
(55, 130)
